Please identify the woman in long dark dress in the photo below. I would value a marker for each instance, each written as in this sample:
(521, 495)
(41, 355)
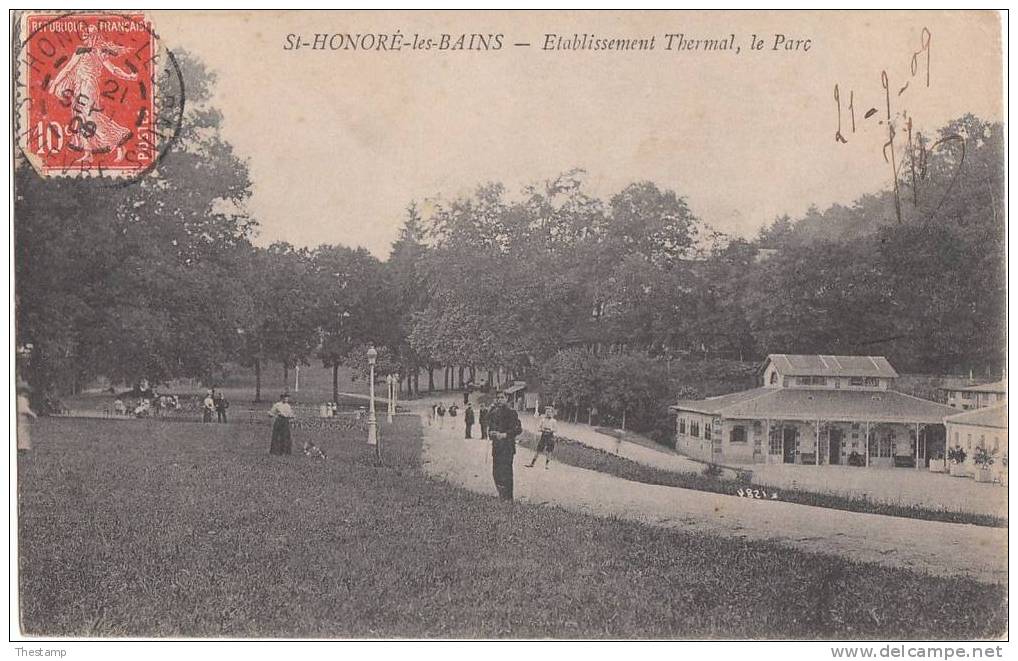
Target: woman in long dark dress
(281, 413)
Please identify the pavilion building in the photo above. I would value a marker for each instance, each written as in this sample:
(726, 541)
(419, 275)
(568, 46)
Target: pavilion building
(815, 409)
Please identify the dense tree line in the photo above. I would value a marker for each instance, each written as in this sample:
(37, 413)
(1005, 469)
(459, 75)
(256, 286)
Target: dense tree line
(929, 291)
(617, 304)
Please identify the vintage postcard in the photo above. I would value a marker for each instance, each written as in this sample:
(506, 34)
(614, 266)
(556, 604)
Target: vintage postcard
(680, 325)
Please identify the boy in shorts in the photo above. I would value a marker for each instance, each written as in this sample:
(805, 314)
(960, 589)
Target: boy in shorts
(547, 427)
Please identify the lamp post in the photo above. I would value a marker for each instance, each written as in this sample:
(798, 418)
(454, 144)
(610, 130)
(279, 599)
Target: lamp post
(372, 421)
(395, 391)
(388, 382)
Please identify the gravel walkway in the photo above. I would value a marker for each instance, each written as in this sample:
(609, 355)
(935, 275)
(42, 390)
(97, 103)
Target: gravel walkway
(898, 486)
(945, 549)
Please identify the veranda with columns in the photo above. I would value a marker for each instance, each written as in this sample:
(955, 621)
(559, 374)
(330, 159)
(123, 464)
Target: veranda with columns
(830, 416)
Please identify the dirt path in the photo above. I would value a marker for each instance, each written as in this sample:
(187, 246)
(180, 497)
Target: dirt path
(940, 548)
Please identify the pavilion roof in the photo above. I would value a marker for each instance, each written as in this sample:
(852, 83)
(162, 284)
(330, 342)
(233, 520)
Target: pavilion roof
(989, 416)
(825, 365)
(996, 386)
(815, 404)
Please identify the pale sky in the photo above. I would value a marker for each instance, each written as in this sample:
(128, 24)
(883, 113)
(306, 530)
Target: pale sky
(339, 142)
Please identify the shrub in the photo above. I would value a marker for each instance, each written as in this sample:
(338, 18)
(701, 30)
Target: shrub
(956, 455)
(856, 459)
(661, 437)
(744, 476)
(712, 470)
(984, 458)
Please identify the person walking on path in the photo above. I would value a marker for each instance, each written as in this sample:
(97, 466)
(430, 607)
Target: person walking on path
(503, 428)
(547, 427)
(468, 419)
(431, 414)
(25, 416)
(208, 406)
(441, 415)
(453, 410)
(482, 419)
(282, 414)
(221, 405)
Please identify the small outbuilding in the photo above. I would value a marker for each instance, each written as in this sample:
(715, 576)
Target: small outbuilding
(980, 428)
(976, 397)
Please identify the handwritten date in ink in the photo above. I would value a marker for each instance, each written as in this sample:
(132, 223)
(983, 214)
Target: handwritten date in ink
(919, 64)
(915, 152)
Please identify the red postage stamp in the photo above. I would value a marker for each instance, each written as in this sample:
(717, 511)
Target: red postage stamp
(87, 89)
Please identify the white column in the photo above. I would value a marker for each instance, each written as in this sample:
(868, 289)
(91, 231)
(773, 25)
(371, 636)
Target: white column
(391, 382)
(917, 446)
(816, 453)
(866, 437)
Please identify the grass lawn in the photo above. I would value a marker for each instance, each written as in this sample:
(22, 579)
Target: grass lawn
(146, 528)
(583, 456)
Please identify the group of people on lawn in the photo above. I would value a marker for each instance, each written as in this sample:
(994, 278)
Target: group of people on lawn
(500, 424)
(214, 403)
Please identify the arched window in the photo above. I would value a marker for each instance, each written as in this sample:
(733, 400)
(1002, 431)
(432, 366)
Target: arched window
(774, 377)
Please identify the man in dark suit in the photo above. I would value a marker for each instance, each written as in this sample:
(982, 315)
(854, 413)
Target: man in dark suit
(221, 405)
(503, 428)
(468, 419)
(482, 419)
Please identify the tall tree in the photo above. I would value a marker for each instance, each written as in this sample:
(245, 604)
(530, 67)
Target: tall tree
(285, 326)
(410, 291)
(929, 292)
(355, 305)
(134, 281)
